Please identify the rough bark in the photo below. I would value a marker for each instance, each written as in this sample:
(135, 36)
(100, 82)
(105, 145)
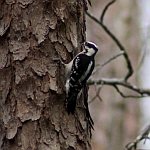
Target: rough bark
(32, 111)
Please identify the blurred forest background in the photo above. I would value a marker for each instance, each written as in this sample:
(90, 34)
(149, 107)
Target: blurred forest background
(119, 120)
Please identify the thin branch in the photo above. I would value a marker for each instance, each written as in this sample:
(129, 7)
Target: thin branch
(108, 61)
(114, 82)
(98, 91)
(129, 65)
(97, 94)
(105, 9)
(125, 96)
(123, 81)
(107, 31)
(142, 136)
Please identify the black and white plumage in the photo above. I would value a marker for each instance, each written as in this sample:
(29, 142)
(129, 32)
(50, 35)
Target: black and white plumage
(77, 73)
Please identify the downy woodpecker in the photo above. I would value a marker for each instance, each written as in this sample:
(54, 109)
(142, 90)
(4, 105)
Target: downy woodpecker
(77, 73)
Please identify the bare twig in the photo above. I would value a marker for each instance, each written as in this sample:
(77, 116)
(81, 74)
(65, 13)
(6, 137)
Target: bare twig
(105, 9)
(129, 65)
(142, 136)
(126, 96)
(97, 94)
(123, 81)
(108, 61)
(106, 30)
(114, 82)
(100, 22)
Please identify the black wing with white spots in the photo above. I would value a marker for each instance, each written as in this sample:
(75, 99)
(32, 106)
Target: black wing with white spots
(82, 68)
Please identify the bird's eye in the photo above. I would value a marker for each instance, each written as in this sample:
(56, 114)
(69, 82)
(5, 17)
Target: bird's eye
(88, 44)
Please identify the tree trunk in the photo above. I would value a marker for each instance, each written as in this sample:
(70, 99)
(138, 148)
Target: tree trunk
(32, 97)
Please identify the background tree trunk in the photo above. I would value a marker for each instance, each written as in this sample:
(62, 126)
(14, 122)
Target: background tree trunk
(32, 111)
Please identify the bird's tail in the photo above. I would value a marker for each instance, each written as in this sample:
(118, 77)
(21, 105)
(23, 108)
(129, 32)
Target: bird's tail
(71, 103)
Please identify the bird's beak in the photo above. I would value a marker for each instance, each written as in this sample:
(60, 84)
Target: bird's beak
(82, 45)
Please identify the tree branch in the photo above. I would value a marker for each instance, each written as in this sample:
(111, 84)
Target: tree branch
(114, 82)
(125, 96)
(119, 82)
(97, 94)
(129, 65)
(105, 9)
(108, 61)
(142, 136)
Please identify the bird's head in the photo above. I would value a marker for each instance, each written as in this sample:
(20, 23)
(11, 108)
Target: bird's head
(90, 48)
